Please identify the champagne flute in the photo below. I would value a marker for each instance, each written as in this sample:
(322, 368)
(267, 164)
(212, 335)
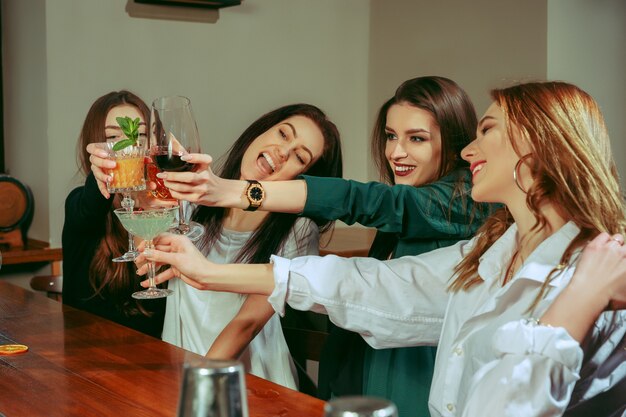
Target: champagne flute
(174, 133)
(148, 224)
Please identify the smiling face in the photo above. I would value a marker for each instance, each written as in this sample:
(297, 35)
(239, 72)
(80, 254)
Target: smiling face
(283, 152)
(492, 160)
(112, 130)
(413, 148)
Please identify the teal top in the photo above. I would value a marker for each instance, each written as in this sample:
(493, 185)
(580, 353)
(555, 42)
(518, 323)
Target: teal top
(410, 221)
(423, 218)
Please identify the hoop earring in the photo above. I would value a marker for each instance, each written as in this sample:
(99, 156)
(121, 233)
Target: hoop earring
(516, 175)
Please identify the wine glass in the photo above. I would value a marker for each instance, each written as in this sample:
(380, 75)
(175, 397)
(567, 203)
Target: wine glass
(148, 224)
(174, 133)
(128, 176)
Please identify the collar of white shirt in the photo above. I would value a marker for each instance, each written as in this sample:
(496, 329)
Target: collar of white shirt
(540, 262)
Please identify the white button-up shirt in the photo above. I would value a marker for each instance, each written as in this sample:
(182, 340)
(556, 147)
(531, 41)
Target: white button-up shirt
(489, 362)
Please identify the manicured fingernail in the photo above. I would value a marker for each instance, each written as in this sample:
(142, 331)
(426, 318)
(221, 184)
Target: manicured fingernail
(185, 158)
(162, 175)
(147, 252)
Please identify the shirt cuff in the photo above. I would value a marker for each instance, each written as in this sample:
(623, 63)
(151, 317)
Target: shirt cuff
(523, 337)
(278, 297)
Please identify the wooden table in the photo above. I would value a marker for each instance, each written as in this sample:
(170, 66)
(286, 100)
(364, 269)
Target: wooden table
(81, 365)
(34, 251)
(347, 241)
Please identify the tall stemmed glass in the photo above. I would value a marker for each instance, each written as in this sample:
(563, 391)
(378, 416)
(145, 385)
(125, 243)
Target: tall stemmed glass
(148, 224)
(128, 176)
(174, 133)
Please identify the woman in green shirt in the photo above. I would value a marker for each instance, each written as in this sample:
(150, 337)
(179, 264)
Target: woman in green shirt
(424, 204)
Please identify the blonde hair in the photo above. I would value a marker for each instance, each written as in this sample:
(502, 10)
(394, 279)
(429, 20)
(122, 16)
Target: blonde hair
(571, 164)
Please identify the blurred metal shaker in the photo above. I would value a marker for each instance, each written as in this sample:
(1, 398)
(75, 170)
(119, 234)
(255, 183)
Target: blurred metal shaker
(213, 388)
(360, 406)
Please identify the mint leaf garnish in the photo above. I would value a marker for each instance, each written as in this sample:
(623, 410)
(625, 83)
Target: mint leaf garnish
(130, 128)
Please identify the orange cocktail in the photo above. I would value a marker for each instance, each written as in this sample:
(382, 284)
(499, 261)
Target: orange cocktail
(129, 173)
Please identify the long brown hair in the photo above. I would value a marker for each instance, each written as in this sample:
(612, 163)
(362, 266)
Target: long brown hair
(571, 164)
(108, 279)
(270, 236)
(455, 116)
(452, 110)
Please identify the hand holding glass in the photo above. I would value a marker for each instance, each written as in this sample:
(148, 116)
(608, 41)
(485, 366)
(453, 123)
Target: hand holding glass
(173, 133)
(148, 224)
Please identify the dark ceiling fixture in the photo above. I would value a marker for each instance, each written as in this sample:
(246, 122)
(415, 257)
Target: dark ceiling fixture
(204, 4)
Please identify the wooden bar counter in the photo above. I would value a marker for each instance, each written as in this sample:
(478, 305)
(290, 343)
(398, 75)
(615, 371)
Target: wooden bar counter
(81, 365)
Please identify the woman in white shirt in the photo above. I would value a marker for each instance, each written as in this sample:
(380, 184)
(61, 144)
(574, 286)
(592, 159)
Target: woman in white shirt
(542, 150)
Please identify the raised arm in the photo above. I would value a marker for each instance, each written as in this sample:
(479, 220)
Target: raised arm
(438, 210)
(442, 209)
(393, 303)
(202, 186)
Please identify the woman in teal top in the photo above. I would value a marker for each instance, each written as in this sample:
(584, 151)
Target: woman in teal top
(416, 145)
(429, 207)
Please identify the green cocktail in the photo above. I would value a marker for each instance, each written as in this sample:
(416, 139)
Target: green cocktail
(148, 224)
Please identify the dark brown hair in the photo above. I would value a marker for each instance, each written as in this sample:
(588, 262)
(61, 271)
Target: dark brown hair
(108, 279)
(270, 236)
(454, 113)
(452, 110)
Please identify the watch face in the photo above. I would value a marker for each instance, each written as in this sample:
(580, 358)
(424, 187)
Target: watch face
(256, 193)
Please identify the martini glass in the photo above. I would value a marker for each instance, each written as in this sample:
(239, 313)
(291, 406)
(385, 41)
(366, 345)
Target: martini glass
(148, 224)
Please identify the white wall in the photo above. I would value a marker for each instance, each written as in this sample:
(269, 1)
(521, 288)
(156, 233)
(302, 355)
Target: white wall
(256, 57)
(587, 46)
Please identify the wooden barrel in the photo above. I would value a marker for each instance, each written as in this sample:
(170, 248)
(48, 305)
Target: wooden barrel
(16, 210)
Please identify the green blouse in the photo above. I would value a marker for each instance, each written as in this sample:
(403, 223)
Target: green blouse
(415, 220)
(423, 218)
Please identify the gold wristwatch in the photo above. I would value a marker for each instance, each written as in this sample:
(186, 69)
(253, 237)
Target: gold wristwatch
(255, 195)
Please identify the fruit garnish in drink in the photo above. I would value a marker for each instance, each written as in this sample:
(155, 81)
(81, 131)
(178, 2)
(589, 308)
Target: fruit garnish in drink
(161, 192)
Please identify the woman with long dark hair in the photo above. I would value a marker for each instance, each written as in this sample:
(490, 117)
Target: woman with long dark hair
(520, 330)
(280, 145)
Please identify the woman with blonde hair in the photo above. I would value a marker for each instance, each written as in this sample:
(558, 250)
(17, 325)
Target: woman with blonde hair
(507, 309)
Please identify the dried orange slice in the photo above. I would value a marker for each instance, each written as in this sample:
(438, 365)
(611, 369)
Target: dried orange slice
(12, 349)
